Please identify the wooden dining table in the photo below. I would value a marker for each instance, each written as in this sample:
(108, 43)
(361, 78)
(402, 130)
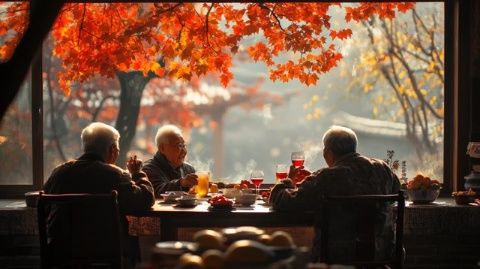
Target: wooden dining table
(172, 217)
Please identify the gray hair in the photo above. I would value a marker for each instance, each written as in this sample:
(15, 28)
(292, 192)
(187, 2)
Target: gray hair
(97, 138)
(340, 140)
(165, 132)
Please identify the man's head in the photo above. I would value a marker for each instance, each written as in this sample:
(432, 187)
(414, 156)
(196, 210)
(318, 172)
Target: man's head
(101, 139)
(170, 143)
(338, 141)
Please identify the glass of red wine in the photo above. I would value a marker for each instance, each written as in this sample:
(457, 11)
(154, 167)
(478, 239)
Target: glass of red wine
(281, 172)
(257, 179)
(298, 158)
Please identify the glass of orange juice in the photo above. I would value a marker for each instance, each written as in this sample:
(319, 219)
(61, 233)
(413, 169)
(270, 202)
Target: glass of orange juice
(203, 178)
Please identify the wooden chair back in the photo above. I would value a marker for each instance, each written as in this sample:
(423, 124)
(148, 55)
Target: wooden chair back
(364, 210)
(79, 231)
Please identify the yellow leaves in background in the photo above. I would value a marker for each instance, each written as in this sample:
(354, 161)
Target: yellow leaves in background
(367, 87)
(317, 112)
(441, 111)
(3, 139)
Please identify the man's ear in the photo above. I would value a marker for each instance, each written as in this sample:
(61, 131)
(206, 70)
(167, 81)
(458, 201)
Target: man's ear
(161, 148)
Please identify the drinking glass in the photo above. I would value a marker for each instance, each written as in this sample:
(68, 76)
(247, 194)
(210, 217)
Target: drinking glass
(203, 178)
(257, 179)
(281, 172)
(298, 158)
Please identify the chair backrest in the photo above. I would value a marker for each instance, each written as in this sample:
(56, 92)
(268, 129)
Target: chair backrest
(79, 230)
(364, 213)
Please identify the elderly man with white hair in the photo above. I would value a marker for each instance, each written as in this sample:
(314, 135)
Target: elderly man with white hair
(95, 172)
(167, 170)
(348, 173)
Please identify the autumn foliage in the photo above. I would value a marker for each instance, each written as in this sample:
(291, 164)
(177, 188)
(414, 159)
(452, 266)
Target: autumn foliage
(179, 40)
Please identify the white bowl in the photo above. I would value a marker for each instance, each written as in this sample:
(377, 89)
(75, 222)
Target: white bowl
(246, 199)
(171, 196)
(231, 192)
(186, 201)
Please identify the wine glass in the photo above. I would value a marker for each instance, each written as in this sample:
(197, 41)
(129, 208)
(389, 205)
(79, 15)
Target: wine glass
(256, 177)
(298, 158)
(281, 172)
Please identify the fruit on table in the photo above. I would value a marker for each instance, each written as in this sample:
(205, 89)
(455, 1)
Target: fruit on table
(422, 182)
(213, 259)
(213, 187)
(247, 251)
(265, 239)
(470, 192)
(190, 261)
(209, 239)
(242, 186)
(281, 239)
(247, 183)
(220, 200)
(265, 194)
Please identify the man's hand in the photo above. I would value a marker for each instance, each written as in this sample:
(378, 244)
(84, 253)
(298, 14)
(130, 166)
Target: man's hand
(188, 181)
(288, 183)
(134, 165)
(298, 174)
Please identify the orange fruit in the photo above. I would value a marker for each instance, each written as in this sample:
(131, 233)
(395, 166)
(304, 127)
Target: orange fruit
(213, 187)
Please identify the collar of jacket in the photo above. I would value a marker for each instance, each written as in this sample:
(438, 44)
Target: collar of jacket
(163, 162)
(346, 158)
(91, 157)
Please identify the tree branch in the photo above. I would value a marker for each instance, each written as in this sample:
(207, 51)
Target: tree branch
(262, 5)
(13, 72)
(52, 114)
(100, 106)
(206, 23)
(80, 28)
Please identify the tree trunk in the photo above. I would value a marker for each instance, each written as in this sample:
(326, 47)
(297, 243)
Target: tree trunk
(132, 85)
(13, 72)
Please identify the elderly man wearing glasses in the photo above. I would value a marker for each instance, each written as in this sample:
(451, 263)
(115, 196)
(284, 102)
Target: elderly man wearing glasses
(167, 170)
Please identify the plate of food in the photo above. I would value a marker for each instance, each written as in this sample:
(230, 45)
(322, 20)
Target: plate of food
(464, 197)
(220, 203)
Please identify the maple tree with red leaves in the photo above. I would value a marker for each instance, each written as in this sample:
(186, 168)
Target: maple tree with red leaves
(194, 38)
(139, 41)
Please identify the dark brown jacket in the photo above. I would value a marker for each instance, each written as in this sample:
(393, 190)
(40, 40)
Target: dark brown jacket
(352, 174)
(90, 174)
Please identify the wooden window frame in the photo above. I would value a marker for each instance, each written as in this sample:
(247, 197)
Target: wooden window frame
(456, 131)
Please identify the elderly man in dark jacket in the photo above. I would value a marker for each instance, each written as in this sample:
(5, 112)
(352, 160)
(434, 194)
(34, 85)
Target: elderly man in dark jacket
(94, 172)
(167, 170)
(348, 173)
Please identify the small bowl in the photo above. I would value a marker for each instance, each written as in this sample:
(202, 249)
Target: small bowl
(246, 199)
(462, 199)
(186, 201)
(31, 198)
(171, 196)
(231, 192)
(423, 196)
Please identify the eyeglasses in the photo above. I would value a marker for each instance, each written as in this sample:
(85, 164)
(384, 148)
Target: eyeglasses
(179, 145)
